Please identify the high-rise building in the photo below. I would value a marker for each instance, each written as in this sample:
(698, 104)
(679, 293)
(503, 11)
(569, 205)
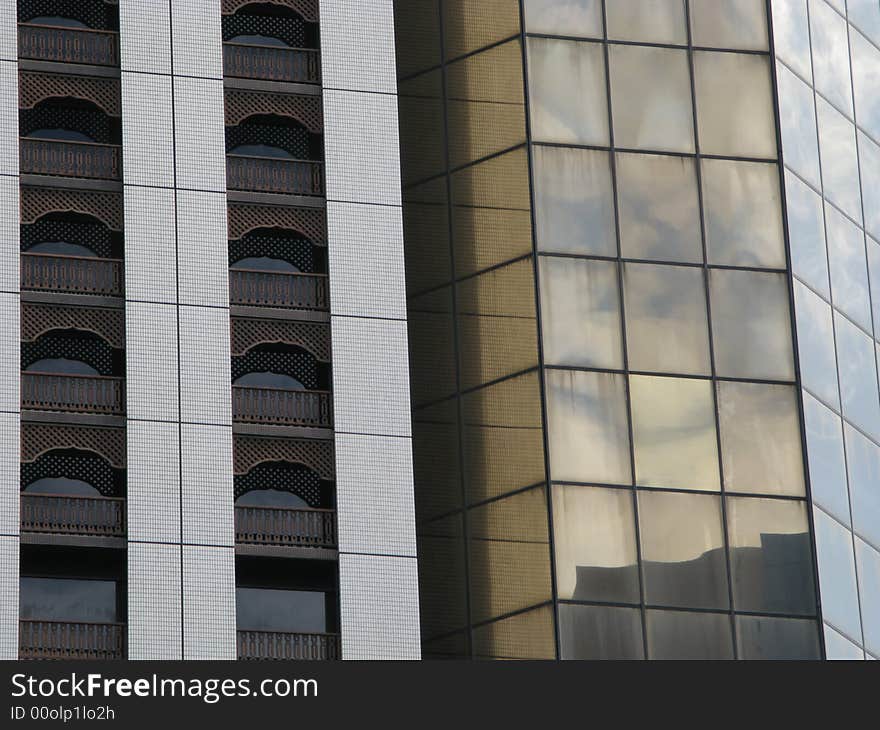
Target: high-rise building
(580, 363)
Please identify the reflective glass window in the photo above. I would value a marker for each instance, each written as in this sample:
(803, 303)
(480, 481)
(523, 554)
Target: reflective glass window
(666, 326)
(791, 35)
(840, 166)
(766, 637)
(269, 609)
(806, 231)
(580, 313)
(738, 24)
(874, 277)
(868, 562)
(858, 376)
(815, 327)
(751, 325)
(770, 556)
(68, 599)
(600, 632)
(869, 156)
(649, 21)
(567, 91)
(683, 557)
(564, 17)
(659, 209)
(837, 575)
(863, 468)
(824, 431)
(734, 104)
(743, 214)
(865, 15)
(594, 533)
(689, 635)
(674, 433)
(849, 269)
(797, 120)
(839, 648)
(574, 204)
(589, 439)
(831, 55)
(866, 83)
(651, 98)
(760, 438)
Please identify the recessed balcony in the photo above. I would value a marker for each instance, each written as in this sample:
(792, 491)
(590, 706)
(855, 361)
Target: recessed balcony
(68, 45)
(70, 640)
(315, 528)
(73, 393)
(281, 407)
(288, 290)
(73, 515)
(271, 63)
(88, 160)
(72, 274)
(274, 175)
(285, 646)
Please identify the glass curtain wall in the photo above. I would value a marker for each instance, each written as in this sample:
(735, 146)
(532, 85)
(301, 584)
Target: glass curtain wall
(680, 518)
(828, 70)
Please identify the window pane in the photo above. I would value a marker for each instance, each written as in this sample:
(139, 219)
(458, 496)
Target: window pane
(751, 324)
(589, 440)
(580, 312)
(837, 575)
(763, 637)
(600, 632)
(67, 599)
(866, 83)
(863, 467)
(869, 155)
(269, 609)
(840, 166)
(564, 17)
(652, 21)
(729, 24)
(865, 15)
(666, 328)
(674, 433)
(858, 377)
(595, 536)
(806, 231)
(651, 98)
(771, 557)
(659, 210)
(849, 270)
(797, 120)
(574, 205)
(567, 91)
(743, 214)
(815, 327)
(760, 439)
(827, 463)
(679, 635)
(791, 35)
(868, 560)
(734, 104)
(839, 648)
(683, 556)
(831, 56)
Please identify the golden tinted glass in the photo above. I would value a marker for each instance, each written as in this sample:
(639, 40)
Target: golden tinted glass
(437, 460)
(473, 24)
(528, 635)
(442, 578)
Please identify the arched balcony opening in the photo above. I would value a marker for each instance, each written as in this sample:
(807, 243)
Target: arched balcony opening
(72, 371)
(284, 503)
(91, 14)
(72, 492)
(71, 253)
(280, 384)
(270, 41)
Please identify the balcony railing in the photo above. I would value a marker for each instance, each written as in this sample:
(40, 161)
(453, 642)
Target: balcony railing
(279, 645)
(73, 393)
(289, 527)
(269, 63)
(70, 159)
(274, 175)
(249, 287)
(281, 407)
(73, 515)
(70, 640)
(68, 45)
(71, 274)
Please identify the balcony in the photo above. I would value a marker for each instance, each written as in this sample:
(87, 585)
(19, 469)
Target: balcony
(73, 393)
(269, 63)
(68, 45)
(314, 528)
(252, 288)
(68, 640)
(73, 515)
(70, 159)
(71, 274)
(279, 407)
(274, 175)
(284, 646)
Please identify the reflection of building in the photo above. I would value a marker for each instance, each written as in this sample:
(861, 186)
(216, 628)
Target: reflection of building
(582, 364)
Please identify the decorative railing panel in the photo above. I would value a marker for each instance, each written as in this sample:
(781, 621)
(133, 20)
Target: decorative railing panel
(268, 63)
(282, 407)
(70, 159)
(72, 393)
(278, 645)
(278, 289)
(71, 274)
(70, 640)
(73, 515)
(290, 527)
(274, 175)
(68, 45)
